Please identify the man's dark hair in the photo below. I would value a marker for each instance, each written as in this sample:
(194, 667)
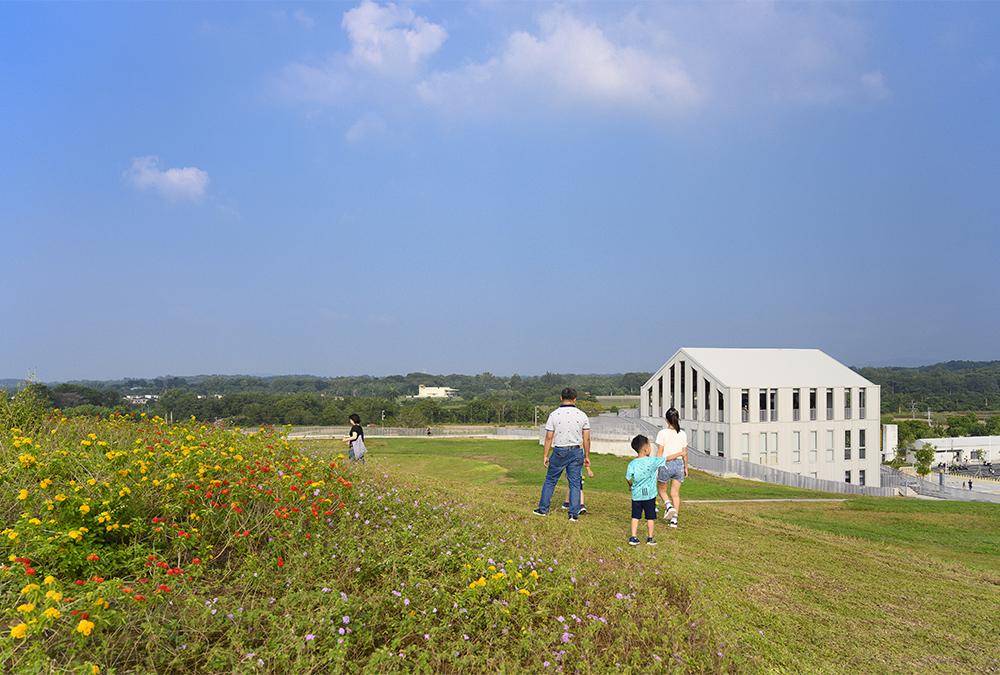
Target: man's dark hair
(355, 418)
(569, 394)
(639, 442)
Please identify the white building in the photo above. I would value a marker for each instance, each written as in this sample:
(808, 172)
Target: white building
(963, 450)
(423, 391)
(890, 441)
(797, 410)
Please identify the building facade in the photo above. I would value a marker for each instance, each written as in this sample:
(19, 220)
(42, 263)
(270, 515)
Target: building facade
(797, 410)
(963, 449)
(423, 391)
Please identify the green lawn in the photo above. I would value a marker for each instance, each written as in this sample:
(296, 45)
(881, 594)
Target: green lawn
(863, 585)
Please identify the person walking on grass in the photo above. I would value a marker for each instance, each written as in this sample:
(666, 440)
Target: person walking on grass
(641, 478)
(356, 439)
(567, 440)
(671, 445)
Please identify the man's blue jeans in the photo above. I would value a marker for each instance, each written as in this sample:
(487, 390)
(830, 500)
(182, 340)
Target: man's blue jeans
(570, 459)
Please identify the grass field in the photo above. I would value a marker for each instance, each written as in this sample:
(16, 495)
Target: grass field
(862, 585)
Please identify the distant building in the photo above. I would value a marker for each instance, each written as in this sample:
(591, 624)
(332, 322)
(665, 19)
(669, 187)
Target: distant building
(797, 410)
(423, 391)
(140, 399)
(890, 441)
(963, 450)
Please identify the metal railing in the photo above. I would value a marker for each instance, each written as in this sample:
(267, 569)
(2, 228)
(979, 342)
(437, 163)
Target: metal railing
(763, 415)
(829, 413)
(861, 413)
(847, 413)
(898, 479)
(796, 415)
(746, 415)
(812, 414)
(694, 414)
(708, 415)
(774, 415)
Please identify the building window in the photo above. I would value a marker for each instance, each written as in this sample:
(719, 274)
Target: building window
(694, 439)
(762, 404)
(796, 405)
(829, 404)
(683, 393)
(847, 476)
(813, 447)
(762, 447)
(708, 443)
(861, 444)
(861, 403)
(847, 444)
(694, 393)
(721, 447)
(745, 447)
(861, 477)
(673, 386)
(708, 400)
(650, 393)
(745, 404)
(659, 385)
(773, 405)
(772, 447)
(829, 445)
(796, 446)
(722, 407)
(847, 403)
(812, 405)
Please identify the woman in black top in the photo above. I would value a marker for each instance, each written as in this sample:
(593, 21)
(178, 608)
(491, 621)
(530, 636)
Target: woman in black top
(356, 438)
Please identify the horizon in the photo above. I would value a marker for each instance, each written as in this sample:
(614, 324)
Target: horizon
(470, 187)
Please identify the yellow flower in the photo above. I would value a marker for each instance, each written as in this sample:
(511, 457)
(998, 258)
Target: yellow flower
(95, 669)
(52, 613)
(19, 631)
(92, 481)
(85, 442)
(534, 574)
(84, 508)
(35, 521)
(49, 580)
(45, 483)
(29, 588)
(26, 608)
(60, 497)
(101, 602)
(54, 596)
(75, 535)
(22, 495)
(84, 627)
(524, 591)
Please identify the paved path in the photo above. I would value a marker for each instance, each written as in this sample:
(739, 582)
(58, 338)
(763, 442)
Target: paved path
(742, 501)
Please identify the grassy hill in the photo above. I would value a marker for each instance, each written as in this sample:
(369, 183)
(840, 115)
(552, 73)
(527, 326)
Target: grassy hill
(859, 585)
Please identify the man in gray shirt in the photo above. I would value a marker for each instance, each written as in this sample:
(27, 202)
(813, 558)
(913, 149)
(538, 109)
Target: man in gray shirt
(567, 439)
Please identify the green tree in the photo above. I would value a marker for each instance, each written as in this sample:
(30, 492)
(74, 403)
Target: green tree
(924, 457)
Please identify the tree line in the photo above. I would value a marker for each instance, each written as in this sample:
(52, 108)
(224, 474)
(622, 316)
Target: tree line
(954, 385)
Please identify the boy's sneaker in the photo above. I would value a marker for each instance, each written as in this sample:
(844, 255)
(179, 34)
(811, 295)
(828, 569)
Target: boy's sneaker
(574, 519)
(633, 541)
(673, 522)
(539, 512)
(583, 509)
(650, 541)
(565, 506)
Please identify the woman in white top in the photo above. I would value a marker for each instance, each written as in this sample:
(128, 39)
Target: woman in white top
(671, 444)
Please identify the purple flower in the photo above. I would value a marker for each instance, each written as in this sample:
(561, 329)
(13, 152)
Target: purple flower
(546, 664)
(565, 637)
(309, 637)
(325, 589)
(406, 602)
(619, 596)
(346, 619)
(427, 636)
(560, 619)
(341, 630)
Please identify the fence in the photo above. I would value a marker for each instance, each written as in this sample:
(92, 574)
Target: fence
(305, 433)
(898, 480)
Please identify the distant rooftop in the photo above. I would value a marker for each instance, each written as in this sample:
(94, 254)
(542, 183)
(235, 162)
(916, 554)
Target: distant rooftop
(774, 367)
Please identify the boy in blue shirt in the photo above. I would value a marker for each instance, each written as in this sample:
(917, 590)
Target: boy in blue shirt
(641, 477)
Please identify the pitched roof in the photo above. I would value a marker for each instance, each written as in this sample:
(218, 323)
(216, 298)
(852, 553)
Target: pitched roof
(774, 368)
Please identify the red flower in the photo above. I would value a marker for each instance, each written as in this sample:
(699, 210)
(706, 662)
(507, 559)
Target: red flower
(79, 582)
(163, 588)
(195, 561)
(281, 561)
(139, 597)
(23, 561)
(93, 557)
(30, 571)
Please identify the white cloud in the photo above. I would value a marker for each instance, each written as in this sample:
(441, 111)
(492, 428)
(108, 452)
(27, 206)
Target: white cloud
(368, 126)
(180, 183)
(390, 39)
(569, 61)
(304, 19)
(874, 83)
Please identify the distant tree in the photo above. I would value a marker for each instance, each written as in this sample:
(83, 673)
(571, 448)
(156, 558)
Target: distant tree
(924, 457)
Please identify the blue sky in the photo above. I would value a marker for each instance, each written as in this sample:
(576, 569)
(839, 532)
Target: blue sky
(347, 188)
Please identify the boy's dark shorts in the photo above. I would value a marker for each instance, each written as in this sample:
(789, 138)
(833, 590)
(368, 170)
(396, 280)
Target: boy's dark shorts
(646, 506)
